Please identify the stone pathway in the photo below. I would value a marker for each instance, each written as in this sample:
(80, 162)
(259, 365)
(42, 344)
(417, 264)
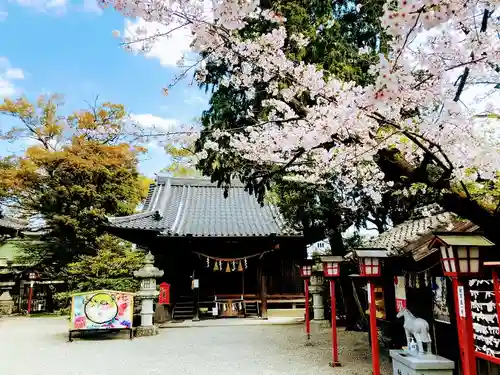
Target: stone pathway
(234, 322)
(37, 346)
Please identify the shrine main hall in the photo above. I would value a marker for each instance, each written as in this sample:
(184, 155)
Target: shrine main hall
(241, 255)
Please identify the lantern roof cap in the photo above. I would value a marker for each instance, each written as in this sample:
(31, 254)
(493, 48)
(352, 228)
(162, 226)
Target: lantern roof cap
(459, 239)
(332, 258)
(371, 253)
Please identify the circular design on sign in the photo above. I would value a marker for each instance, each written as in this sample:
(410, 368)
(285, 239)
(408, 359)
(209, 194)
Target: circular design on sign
(101, 308)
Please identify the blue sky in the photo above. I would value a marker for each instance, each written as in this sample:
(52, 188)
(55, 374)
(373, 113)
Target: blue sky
(67, 47)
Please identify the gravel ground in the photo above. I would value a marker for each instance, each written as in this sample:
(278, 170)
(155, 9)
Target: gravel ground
(37, 346)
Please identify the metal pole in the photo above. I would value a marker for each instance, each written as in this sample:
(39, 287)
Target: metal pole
(461, 295)
(335, 351)
(373, 329)
(308, 323)
(30, 296)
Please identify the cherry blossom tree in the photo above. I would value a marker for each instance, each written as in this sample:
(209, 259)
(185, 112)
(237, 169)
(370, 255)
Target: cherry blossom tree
(427, 120)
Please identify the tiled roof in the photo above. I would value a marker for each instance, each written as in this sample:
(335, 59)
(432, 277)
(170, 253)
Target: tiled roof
(397, 238)
(413, 236)
(197, 207)
(12, 223)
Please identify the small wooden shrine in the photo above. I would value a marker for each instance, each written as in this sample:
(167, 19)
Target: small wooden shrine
(232, 254)
(413, 278)
(16, 276)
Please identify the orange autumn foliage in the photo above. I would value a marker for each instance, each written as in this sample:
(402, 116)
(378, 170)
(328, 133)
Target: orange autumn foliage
(75, 171)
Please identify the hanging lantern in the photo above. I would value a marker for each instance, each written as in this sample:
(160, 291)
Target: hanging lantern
(460, 252)
(240, 267)
(228, 269)
(216, 266)
(306, 269)
(331, 266)
(370, 262)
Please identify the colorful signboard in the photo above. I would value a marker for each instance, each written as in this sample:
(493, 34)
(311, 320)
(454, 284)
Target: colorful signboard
(102, 309)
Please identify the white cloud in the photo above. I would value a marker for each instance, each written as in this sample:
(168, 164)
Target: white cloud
(153, 125)
(14, 73)
(168, 49)
(6, 88)
(3, 16)
(175, 42)
(152, 122)
(59, 6)
(7, 77)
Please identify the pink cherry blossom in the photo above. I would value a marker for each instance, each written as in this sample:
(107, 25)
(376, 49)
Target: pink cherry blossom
(454, 44)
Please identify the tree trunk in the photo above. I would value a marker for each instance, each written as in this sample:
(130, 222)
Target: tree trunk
(397, 169)
(349, 303)
(473, 211)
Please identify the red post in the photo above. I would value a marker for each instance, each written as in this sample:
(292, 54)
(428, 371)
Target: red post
(461, 295)
(373, 330)
(308, 322)
(30, 296)
(496, 290)
(335, 350)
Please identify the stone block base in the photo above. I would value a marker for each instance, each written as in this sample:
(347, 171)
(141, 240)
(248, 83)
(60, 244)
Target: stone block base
(318, 325)
(146, 331)
(6, 307)
(162, 314)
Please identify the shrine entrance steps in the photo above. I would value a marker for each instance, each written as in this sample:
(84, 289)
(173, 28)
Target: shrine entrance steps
(252, 309)
(183, 310)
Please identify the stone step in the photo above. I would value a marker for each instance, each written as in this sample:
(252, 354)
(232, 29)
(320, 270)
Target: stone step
(184, 316)
(178, 311)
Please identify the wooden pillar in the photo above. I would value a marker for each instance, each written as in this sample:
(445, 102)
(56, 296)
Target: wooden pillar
(263, 290)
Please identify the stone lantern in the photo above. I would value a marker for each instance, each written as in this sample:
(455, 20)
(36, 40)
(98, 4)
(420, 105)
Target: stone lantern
(147, 293)
(6, 301)
(316, 289)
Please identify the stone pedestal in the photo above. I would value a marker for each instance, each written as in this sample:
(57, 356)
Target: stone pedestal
(143, 331)
(148, 275)
(6, 302)
(404, 362)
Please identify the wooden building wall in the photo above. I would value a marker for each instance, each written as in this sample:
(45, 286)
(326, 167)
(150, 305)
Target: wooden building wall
(179, 258)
